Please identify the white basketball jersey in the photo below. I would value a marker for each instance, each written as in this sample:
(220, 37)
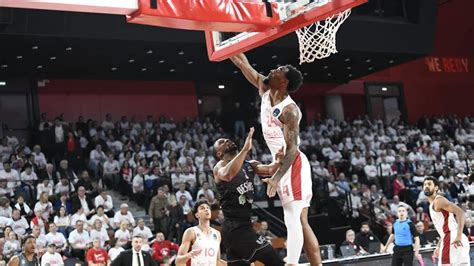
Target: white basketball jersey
(443, 221)
(272, 128)
(209, 246)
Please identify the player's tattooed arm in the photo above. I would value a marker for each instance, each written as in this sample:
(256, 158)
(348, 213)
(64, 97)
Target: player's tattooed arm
(291, 131)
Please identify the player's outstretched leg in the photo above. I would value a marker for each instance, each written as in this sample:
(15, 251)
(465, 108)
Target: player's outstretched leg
(311, 244)
(292, 212)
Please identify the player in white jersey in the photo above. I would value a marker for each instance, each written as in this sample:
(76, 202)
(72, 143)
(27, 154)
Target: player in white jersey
(453, 247)
(280, 117)
(201, 243)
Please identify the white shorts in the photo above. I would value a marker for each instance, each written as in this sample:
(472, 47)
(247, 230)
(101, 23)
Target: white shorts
(450, 255)
(296, 183)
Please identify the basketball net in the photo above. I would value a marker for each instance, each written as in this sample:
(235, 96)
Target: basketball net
(318, 40)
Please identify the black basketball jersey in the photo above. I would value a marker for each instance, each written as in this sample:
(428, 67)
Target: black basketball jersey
(236, 196)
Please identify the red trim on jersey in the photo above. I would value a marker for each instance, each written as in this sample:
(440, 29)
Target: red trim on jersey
(445, 257)
(296, 177)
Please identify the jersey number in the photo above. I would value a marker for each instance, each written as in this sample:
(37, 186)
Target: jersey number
(286, 191)
(209, 252)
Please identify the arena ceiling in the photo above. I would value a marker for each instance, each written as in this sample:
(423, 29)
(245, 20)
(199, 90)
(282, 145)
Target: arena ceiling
(50, 44)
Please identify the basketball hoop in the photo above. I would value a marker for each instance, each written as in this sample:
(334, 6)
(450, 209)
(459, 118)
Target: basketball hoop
(318, 40)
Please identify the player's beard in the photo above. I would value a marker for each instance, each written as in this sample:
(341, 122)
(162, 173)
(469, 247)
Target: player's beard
(428, 193)
(232, 149)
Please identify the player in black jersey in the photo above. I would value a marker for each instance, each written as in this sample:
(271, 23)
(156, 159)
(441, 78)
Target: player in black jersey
(234, 178)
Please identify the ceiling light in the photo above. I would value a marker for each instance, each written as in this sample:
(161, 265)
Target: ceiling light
(131, 60)
(39, 66)
(113, 68)
(391, 61)
(305, 73)
(199, 101)
(370, 68)
(69, 48)
(236, 71)
(384, 89)
(149, 51)
(19, 57)
(254, 64)
(190, 62)
(3, 83)
(368, 60)
(274, 56)
(52, 58)
(161, 61)
(261, 72)
(172, 70)
(349, 67)
(329, 74)
(221, 87)
(350, 75)
(181, 52)
(35, 47)
(4, 66)
(144, 69)
(325, 67)
(347, 59)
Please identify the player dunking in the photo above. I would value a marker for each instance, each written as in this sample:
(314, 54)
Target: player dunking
(280, 117)
(453, 247)
(234, 179)
(201, 243)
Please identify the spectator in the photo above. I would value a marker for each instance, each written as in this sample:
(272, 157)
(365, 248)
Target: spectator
(263, 230)
(97, 255)
(51, 257)
(158, 211)
(12, 246)
(123, 235)
(19, 223)
(420, 229)
(350, 241)
(58, 239)
(82, 202)
(142, 229)
(104, 218)
(25, 210)
(123, 215)
(63, 221)
(99, 232)
(105, 200)
(183, 192)
(80, 241)
(111, 170)
(162, 249)
(365, 236)
(469, 229)
(205, 191)
(115, 249)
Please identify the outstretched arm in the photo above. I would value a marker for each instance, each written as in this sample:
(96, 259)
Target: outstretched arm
(268, 169)
(226, 172)
(291, 131)
(249, 72)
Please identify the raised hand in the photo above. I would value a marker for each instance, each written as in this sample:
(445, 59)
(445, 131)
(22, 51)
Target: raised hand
(248, 141)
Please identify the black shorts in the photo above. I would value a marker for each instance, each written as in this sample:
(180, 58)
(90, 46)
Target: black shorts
(241, 241)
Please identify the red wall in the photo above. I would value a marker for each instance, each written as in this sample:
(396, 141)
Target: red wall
(427, 91)
(445, 92)
(95, 98)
